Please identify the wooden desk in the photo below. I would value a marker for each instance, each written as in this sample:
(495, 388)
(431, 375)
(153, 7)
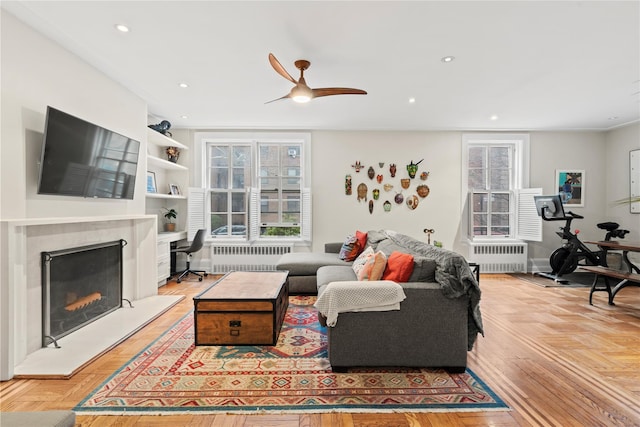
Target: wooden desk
(631, 277)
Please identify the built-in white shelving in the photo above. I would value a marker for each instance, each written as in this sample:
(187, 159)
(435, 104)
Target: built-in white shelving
(156, 138)
(153, 161)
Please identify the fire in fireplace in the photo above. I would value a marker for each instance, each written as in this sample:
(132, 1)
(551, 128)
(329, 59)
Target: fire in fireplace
(79, 285)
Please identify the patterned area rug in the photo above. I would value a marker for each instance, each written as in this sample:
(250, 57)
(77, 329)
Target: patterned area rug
(173, 376)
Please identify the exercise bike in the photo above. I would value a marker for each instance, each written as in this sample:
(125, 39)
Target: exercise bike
(573, 251)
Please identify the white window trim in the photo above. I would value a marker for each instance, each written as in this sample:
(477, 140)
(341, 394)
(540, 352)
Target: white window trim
(520, 142)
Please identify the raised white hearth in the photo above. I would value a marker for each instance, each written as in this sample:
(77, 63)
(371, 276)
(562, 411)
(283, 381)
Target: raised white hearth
(21, 287)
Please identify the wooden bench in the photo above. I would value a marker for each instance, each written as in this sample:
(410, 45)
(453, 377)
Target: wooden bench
(626, 279)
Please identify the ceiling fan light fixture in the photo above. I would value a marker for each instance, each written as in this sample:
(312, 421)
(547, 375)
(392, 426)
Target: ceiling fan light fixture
(301, 94)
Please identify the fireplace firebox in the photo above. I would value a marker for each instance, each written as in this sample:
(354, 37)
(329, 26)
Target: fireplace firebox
(79, 286)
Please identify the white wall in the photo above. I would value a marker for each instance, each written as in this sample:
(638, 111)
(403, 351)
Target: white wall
(336, 215)
(570, 150)
(36, 72)
(619, 143)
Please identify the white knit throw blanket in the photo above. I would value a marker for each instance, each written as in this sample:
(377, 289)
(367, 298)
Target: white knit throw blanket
(340, 297)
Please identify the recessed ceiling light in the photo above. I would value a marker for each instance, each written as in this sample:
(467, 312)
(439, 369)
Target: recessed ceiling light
(184, 117)
(613, 118)
(122, 28)
(412, 100)
(448, 58)
(183, 85)
(493, 117)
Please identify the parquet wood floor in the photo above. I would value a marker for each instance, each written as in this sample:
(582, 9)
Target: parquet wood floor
(554, 359)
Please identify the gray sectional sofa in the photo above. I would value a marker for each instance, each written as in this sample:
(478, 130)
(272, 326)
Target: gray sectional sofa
(436, 325)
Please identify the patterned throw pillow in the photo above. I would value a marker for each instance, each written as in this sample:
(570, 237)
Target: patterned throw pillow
(373, 267)
(358, 264)
(350, 248)
(399, 267)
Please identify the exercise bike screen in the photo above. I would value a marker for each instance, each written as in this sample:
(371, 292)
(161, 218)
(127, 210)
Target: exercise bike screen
(553, 205)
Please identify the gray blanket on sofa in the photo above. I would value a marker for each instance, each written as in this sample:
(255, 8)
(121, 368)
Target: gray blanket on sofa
(452, 272)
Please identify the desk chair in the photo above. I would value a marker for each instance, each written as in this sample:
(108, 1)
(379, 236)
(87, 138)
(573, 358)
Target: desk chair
(196, 245)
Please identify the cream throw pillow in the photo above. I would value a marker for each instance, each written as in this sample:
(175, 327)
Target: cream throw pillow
(358, 263)
(373, 267)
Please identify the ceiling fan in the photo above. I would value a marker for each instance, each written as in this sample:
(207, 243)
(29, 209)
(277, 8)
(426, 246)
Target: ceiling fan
(303, 93)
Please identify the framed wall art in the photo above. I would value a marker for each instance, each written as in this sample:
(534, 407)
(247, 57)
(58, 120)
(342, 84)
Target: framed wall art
(151, 182)
(570, 186)
(174, 190)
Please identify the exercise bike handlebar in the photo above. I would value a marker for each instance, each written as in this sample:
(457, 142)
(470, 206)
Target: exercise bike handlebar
(568, 215)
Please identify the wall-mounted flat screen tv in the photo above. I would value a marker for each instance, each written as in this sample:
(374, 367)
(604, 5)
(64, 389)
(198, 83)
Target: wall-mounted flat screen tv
(85, 160)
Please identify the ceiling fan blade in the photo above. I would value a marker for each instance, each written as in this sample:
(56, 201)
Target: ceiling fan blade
(328, 91)
(280, 69)
(278, 99)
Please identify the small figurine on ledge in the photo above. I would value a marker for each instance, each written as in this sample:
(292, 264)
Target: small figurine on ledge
(162, 127)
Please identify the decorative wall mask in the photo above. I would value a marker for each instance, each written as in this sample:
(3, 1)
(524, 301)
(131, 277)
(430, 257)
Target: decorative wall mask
(370, 206)
(379, 178)
(362, 192)
(392, 170)
(405, 183)
(357, 166)
(376, 194)
(412, 202)
(399, 198)
(424, 176)
(386, 206)
(347, 185)
(371, 172)
(412, 168)
(423, 190)
(387, 187)
(381, 164)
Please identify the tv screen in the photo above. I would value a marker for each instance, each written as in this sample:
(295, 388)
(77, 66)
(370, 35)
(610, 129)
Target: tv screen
(85, 160)
(552, 206)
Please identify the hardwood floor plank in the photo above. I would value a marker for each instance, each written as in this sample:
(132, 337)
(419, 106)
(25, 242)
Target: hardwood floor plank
(553, 358)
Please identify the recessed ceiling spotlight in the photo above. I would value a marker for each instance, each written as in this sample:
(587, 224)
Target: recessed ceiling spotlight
(184, 117)
(613, 118)
(183, 85)
(122, 28)
(412, 100)
(448, 58)
(494, 117)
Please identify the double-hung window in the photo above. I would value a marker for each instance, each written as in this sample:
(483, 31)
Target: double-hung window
(495, 174)
(229, 174)
(255, 187)
(490, 182)
(280, 187)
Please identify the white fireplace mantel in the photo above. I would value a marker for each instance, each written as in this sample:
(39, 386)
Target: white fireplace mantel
(22, 240)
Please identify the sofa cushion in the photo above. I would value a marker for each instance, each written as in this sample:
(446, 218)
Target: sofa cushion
(373, 267)
(362, 239)
(399, 267)
(333, 273)
(424, 270)
(388, 247)
(359, 262)
(307, 263)
(350, 248)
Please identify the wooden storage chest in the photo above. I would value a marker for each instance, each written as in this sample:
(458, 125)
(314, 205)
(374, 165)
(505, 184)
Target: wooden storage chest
(242, 308)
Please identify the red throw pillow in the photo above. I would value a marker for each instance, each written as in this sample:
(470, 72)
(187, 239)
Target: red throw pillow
(362, 239)
(399, 267)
